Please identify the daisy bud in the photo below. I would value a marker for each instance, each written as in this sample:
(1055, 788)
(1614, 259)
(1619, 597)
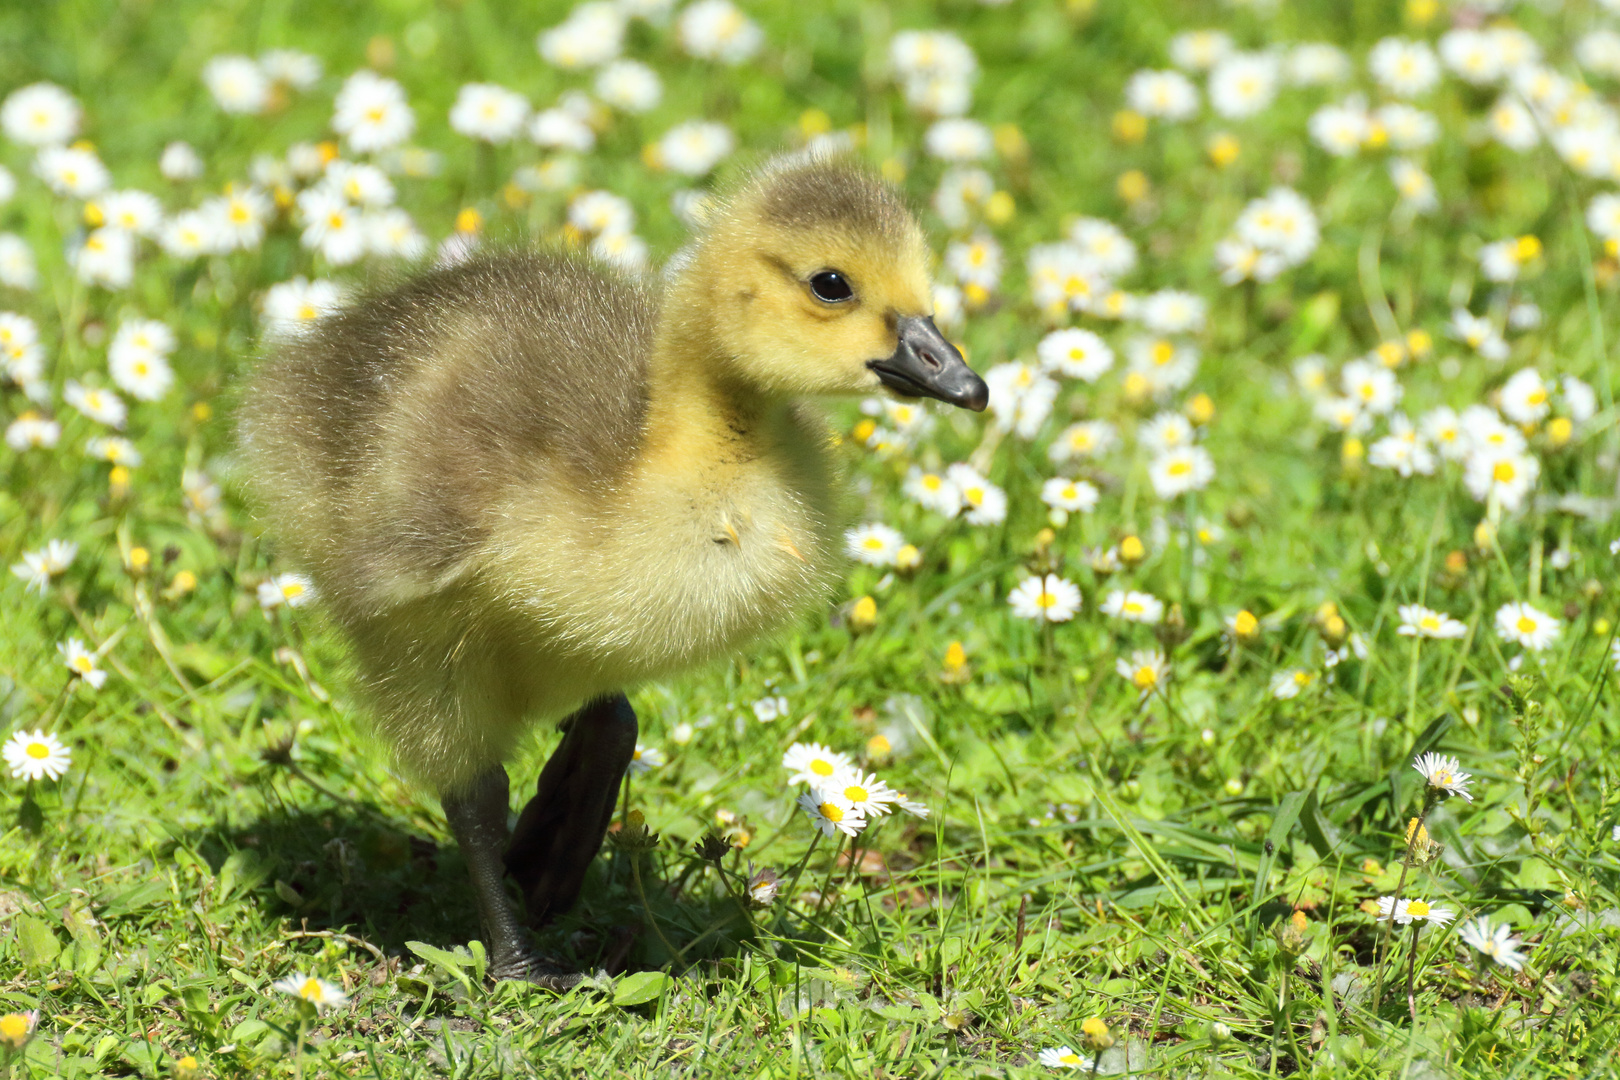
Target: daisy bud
(863, 615)
(1290, 934)
(1132, 550)
(633, 835)
(15, 1028)
(1098, 1037)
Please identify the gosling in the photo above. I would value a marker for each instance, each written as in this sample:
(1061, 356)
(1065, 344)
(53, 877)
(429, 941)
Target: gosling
(528, 481)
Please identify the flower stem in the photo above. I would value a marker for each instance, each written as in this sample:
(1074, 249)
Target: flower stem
(793, 885)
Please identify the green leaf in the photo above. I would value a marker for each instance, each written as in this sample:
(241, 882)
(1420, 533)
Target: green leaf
(1320, 833)
(1282, 823)
(243, 871)
(640, 988)
(37, 943)
(451, 963)
(203, 660)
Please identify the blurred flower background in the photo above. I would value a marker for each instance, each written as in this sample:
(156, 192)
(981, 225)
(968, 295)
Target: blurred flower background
(1235, 694)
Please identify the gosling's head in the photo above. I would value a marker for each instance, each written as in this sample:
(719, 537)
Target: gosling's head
(815, 277)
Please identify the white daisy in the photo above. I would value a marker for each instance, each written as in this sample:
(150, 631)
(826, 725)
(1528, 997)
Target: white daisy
(371, 113)
(1078, 354)
(17, 268)
(814, 764)
(137, 359)
(871, 796)
(318, 992)
(1419, 621)
(105, 258)
(932, 491)
(1069, 495)
(31, 431)
(875, 543)
(559, 129)
(137, 212)
(1444, 773)
(982, 502)
(1523, 624)
(592, 34)
(696, 147)
(1409, 911)
(72, 170)
(290, 67)
(717, 30)
(488, 112)
(1133, 606)
(40, 114)
(102, 406)
(1169, 95)
(1525, 398)
(1286, 685)
(114, 449)
(293, 590)
(644, 759)
(1061, 1057)
(39, 567)
(1145, 669)
(1176, 472)
(1495, 943)
(832, 813)
(180, 163)
(1404, 68)
(292, 307)
(600, 212)
(34, 755)
(82, 662)
(629, 86)
(1504, 475)
(1049, 599)
(238, 84)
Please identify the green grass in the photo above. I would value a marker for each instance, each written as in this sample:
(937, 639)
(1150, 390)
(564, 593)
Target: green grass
(226, 822)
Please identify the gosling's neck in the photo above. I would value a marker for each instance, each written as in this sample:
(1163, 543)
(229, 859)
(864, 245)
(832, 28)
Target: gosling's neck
(697, 407)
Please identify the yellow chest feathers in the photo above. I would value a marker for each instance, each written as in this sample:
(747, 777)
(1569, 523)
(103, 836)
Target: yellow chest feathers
(697, 554)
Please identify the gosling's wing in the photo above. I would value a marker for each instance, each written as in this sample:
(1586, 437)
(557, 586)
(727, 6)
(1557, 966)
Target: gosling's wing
(381, 444)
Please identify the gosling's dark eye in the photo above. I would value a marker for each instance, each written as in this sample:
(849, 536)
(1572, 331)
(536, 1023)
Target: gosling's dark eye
(831, 287)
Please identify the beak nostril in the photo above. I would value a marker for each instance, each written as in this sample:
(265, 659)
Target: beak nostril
(930, 359)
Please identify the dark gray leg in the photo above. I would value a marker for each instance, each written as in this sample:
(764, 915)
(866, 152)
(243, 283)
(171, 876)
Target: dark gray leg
(561, 830)
(477, 817)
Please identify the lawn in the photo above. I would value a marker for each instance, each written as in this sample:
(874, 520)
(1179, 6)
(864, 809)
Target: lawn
(1247, 668)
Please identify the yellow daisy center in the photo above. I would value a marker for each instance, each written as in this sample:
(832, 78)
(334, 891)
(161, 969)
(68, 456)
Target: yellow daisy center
(821, 767)
(38, 751)
(311, 990)
(856, 794)
(1525, 625)
(1179, 468)
(832, 812)
(1417, 909)
(292, 589)
(1145, 677)
(1503, 471)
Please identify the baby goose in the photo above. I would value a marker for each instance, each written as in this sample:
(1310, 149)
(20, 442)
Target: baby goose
(527, 482)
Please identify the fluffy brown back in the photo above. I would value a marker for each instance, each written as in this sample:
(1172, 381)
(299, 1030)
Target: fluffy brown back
(377, 444)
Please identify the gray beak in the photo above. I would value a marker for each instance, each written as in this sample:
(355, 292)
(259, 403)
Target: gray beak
(924, 364)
